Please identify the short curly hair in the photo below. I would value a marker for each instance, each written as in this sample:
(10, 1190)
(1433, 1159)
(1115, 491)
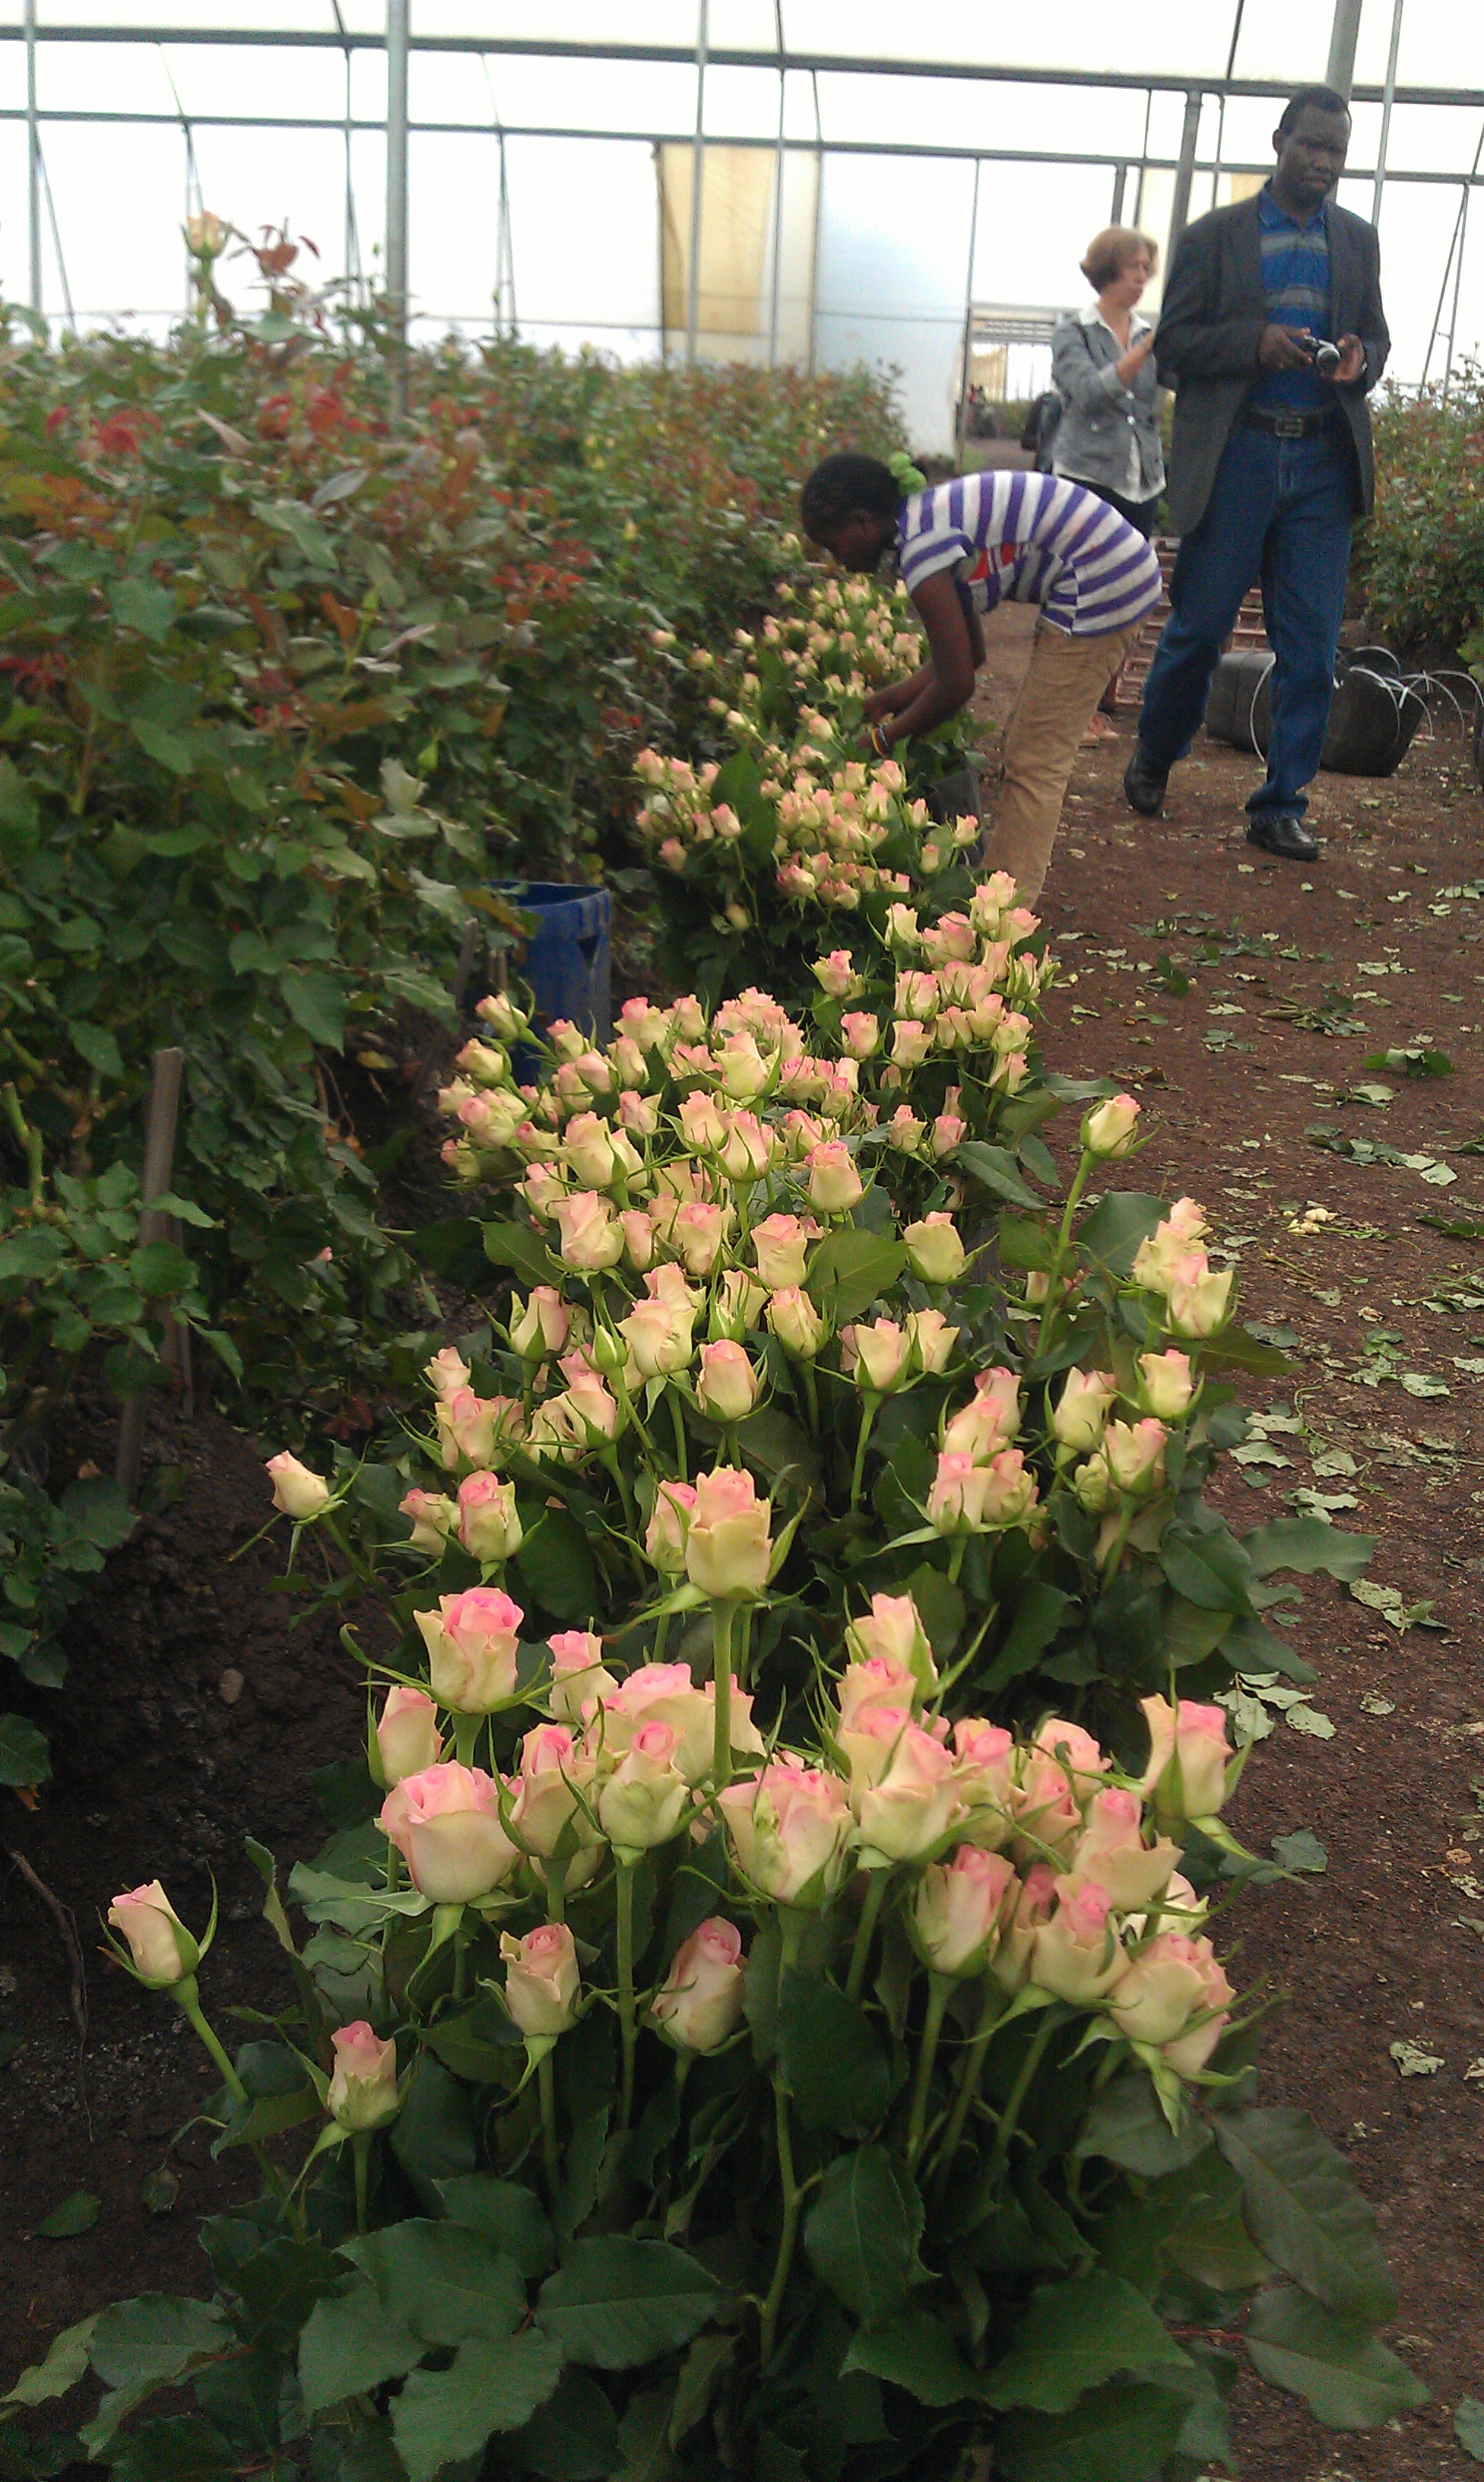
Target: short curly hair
(1109, 252)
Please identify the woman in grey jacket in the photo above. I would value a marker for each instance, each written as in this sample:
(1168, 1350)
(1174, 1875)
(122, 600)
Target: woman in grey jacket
(1102, 369)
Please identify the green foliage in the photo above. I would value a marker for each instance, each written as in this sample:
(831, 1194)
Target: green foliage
(1420, 559)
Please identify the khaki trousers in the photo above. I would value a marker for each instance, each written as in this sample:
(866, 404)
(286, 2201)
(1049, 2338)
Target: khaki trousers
(1067, 677)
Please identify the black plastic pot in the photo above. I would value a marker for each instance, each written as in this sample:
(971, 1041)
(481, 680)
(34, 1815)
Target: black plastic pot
(1372, 719)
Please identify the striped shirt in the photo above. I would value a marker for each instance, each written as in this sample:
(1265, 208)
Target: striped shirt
(1014, 538)
(1295, 287)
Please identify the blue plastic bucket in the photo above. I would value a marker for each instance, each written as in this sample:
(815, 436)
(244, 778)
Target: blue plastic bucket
(570, 957)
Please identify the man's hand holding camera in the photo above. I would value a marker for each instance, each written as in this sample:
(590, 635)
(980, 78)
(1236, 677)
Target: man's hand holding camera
(1297, 349)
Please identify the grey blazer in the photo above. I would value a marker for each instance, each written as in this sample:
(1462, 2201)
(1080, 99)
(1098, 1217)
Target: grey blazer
(1212, 319)
(1099, 416)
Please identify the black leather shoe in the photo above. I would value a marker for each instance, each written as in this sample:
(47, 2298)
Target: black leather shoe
(1289, 839)
(1144, 782)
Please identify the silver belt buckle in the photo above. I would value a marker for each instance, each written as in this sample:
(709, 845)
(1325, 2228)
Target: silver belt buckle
(1289, 426)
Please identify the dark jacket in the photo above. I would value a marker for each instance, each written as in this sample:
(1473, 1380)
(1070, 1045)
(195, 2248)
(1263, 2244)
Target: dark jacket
(1212, 318)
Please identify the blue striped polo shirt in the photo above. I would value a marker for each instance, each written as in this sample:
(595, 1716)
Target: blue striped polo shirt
(1014, 538)
(1295, 284)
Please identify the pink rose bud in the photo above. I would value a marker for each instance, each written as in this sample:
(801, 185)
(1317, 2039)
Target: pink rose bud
(698, 1232)
(646, 1800)
(861, 1034)
(488, 1525)
(1200, 1300)
(911, 1043)
(794, 1321)
(1076, 1955)
(542, 1979)
(835, 1185)
(1134, 1452)
(1045, 1806)
(408, 1738)
(744, 1072)
(947, 1132)
(541, 1324)
(1024, 1912)
(660, 1334)
(787, 1829)
(163, 1949)
(905, 1130)
(664, 1535)
(591, 1237)
(468, 1427)
(918, 996)
(699, 2002)
(1174, 1996)
(445, 1823)
(1167, 1385)
(934, 1248)
(1112, 1850)
(1188, 1756)
(447, 1372)
(579, 1682)
(879, 1356)
(638, 1237)
(728, 1544)
(836, 975)
(296, 1491)
(1108, 1129)
(434, 1519)
(1182, 1230)
(780, 1245)
(703, 1124)
(982, 1428)
(1083, 1409)
(957, 1909)
(553, 1793)
(904, 1785)
(985, 1755)
(933, 1340)
(363, 2084)
(472, 1640)
(892, 1633)
(727, 1385)
(748, 1149)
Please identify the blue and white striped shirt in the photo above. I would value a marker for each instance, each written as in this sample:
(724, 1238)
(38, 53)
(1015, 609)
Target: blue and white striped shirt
(1015, 538)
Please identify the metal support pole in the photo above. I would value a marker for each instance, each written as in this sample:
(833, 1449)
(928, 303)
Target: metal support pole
(1387, 98)
(961, 425)
(1344, 33)
(697, 183)
(32, 169)
(819, 197)
(1190, 130)
(397, 33)
(1458, 286)
(154, 1182)
(780, 161)
(1120, 187)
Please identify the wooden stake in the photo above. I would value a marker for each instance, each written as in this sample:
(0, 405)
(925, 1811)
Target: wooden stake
(159, 1162)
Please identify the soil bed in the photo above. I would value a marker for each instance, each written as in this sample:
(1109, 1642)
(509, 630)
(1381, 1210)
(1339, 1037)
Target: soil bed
(199, 1712)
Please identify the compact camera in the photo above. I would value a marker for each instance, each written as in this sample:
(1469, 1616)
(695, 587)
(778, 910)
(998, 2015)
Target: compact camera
(1327, 358)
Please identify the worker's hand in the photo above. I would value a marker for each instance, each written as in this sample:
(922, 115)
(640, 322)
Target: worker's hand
(889, 702)
(1286, 348)
(1352, 361)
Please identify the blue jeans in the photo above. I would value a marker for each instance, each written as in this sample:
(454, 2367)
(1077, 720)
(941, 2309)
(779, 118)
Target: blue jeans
(1280, 510)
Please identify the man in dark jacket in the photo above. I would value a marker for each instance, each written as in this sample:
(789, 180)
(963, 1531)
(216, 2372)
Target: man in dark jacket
(1271, 334)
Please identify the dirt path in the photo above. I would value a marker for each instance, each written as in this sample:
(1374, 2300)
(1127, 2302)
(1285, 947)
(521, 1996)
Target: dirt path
(1201, 975)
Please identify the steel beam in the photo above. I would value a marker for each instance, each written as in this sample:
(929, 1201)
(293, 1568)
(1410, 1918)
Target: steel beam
(1343, 34)
(32, 168)
(397, 35)
(823, 64)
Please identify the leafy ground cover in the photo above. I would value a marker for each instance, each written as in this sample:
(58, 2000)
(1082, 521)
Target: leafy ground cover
(1420, 565)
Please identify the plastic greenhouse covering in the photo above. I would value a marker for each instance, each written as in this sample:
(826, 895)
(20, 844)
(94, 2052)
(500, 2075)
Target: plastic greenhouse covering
(907, 178)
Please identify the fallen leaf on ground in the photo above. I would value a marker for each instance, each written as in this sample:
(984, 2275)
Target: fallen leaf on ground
(1414, 2062)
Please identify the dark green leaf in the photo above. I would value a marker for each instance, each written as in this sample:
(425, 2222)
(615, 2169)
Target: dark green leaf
(166, 748)
(1305, 2210)
(995, 1168)
(863, 2231)
(139, 604)
(1036, 1618)
(160, 1269)
(1336, 2365)
(444, 2281)
(1128, 2127)
(573, 2436)
(98, 1047)
(32, 1253)
(618, 2303)
(1075, 2335)
(75, 2214)
(98, 1509)
(350, 2344)
(914, 2351)
(1116, 1226)
(442, 2415)
(432, 2136)
(1307, 1545)
(65, 2363)
(507, 2214)
(23, 1752)
(557, 1566)
(1118, 2433)
(849, 1270)
(317, 1002)
(1207, 1565)
(183, 2447)
(1239, 1348)
(829, 2057)
(1300, 1851)
(516, 1245)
